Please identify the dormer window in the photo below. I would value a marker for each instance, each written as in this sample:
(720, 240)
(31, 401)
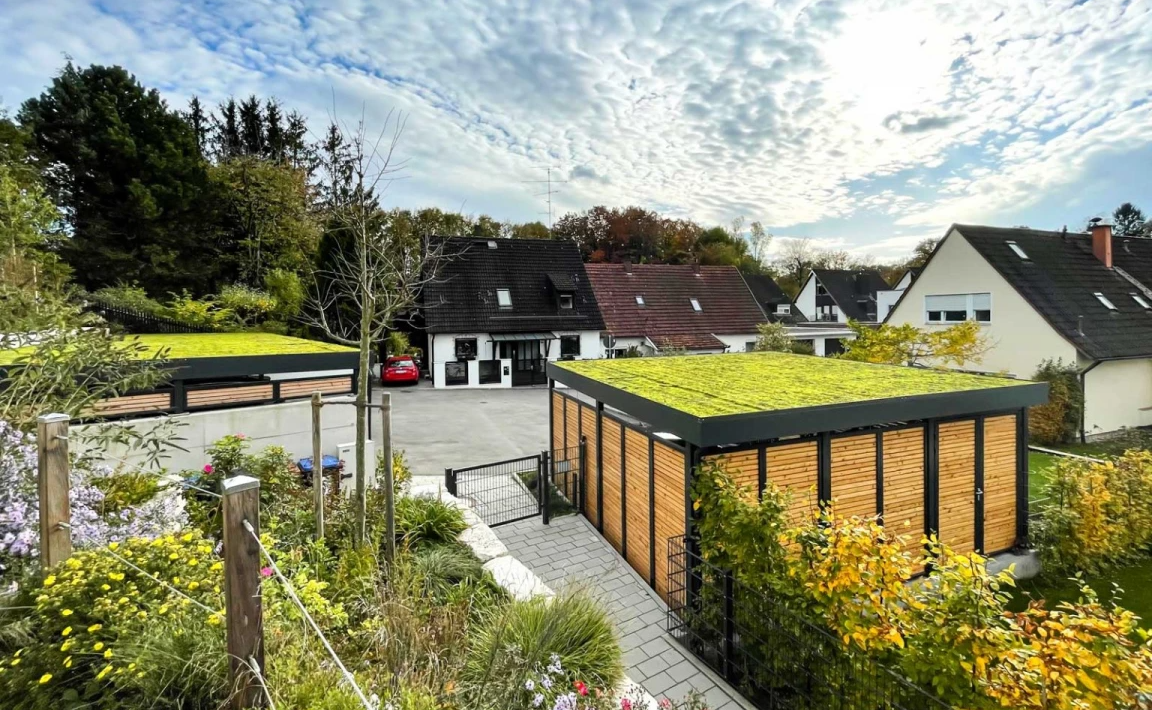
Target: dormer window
(820, 290)
(639, 300)
(1143, 302)
(503, 298)
(566, 301)
(1017, 250)
(1104, 300)
(491, 244)
(783, 309)
(695, 305)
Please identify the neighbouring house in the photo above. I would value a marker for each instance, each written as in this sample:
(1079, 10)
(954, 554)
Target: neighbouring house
(837, 296)
(887, 298)
(652, 308)
(499, 309)
(776, 304)
(928, 451)
(1083, 298)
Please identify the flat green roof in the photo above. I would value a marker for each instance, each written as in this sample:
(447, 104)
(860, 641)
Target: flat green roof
(712, 399)
(188, 346)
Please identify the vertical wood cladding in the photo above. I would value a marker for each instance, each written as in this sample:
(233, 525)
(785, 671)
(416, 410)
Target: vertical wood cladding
(636, 483)
(557, 421)
(669, 507)
(743, 467)
(588, 426)
(572, 431)
(958, 485)
(611, 478)
(904, 485)
(794, 467)
(854, 475)
(999, 483)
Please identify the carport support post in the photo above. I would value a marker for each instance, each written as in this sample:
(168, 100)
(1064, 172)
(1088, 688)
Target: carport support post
(1022, 479)
(450, 481)
(389, 491)
(544, 487)
(318, 466)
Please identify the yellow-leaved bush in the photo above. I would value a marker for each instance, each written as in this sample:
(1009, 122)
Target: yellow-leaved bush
(948, 631)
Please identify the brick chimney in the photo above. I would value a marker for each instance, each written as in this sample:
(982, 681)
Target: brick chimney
(696, 267)
(1102, 243)
(627, 266)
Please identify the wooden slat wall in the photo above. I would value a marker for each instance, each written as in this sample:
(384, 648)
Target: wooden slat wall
(904, 485)
(854, 475)
(794, 467)
(130, 404)
(743, 467)
(572, 433)
(557, 421)
(636, 483)
(669, 470)
(304, 388)
(588, 424)
(958, 485)
(999, 483)
(611, 478)
(228, 395)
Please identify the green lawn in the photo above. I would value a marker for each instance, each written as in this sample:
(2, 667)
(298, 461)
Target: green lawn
(1136, 581)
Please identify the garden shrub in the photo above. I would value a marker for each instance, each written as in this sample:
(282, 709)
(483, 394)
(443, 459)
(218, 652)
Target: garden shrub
(250, 305)
(1057, 421)
(1096, 515)
(200, 313)
(286, 290)
(401, 472)
(126, 490)
(129, 296)
(568, 638)
(427, 520)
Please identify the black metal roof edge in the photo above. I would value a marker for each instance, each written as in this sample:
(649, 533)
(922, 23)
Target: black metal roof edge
(756, 426)
(240, 365)
(660, 417)
(733, 428)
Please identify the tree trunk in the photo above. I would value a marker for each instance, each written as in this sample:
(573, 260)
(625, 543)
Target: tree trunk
(363, 390)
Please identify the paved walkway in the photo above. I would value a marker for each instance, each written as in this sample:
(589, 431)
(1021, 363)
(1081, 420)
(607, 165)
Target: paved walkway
(571, 551)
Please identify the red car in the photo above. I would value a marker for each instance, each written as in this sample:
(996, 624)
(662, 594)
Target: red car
(400, 369)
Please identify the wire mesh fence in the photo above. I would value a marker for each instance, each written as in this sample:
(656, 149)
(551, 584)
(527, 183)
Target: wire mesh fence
(776, 658)
(499, 492)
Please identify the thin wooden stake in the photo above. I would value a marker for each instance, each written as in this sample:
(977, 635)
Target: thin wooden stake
(241, 502)
(318, 466)
(55, 511)
(389, 477)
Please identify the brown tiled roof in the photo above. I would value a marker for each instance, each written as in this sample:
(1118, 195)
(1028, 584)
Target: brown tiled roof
(727, 306)
(688, 341)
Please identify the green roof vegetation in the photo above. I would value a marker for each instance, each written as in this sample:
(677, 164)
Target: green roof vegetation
(740, 383)
(182, 346)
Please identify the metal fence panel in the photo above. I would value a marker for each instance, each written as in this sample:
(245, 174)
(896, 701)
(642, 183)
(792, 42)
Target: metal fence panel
(499, 492)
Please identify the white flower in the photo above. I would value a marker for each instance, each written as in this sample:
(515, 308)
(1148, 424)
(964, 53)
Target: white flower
(537, 700)
(529, 685)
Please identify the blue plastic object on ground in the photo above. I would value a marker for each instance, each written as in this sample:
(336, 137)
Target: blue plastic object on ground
(328, 461)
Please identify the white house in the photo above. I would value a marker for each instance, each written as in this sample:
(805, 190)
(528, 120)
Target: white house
(886, 299)
(836, 296)
(1083, 298)
(499, 309)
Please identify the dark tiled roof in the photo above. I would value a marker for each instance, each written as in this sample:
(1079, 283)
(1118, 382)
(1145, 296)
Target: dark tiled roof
(462, 298)
(1060, 277)
(853, 291)
(727, 306)
(766, 291)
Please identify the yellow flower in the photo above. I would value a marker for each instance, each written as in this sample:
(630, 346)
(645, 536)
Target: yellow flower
(94, 628)
(68, 662)
(116, 576)
(66, 612)
(50, 580)
(192, 562)
(113, 546)
(108, 653)
(72, 563)
(214, 620)
(105, 587)
(66, 645)
(104, 671)
(98, 646)
(173, 556)
(122, 600)
(45, 678)
(216, 567)
(193, 586)
(187, 537)
(67, 630)
(15, 662)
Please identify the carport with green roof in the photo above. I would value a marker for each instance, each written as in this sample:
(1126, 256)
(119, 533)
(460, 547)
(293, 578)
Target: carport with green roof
(938, 452)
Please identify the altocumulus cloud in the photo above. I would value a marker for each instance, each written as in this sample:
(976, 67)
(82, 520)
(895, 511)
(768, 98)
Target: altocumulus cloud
(711, 109)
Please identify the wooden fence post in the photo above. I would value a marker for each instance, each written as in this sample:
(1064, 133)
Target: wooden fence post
(52, 479)
(244, 615)
(389, 476)
(318, 466)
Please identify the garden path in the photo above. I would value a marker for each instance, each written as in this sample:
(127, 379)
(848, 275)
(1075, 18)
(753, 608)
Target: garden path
(570, 551)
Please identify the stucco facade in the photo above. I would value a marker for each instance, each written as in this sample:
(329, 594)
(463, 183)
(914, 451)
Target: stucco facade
(1117, 394)
(443, 351)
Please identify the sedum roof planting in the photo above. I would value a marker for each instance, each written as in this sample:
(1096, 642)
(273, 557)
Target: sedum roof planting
(742, 383)
(188, 346)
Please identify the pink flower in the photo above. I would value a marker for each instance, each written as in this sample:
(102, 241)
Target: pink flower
(265, 571)
(240, 436)
(665, 703)
(625, 704)
(581, 688)
(208, 468)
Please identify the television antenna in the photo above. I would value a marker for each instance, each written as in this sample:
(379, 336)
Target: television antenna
(548, 191)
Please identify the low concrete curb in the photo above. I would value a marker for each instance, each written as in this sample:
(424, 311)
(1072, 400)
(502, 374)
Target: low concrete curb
(511, 574)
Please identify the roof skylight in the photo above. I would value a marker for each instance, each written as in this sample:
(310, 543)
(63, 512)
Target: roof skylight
(1141, 300)
(1017, 250)
(639, 300)
(695, 305)
(1104, 300)
(504, 298)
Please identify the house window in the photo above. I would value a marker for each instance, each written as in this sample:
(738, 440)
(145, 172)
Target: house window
(783, 309)
(1017, 250)
(1141, 300)
(566, 301)
(1104, 299)
(455, 373)
(826, 313)
(820, 290)
(504, 298)
(489, 372)
(465, 348)
(569, 346)
(958, 307)
(639, 300)
(695, 305)
(750, 346)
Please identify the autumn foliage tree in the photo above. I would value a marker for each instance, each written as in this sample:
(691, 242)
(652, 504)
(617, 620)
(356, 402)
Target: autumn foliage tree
(906, 344)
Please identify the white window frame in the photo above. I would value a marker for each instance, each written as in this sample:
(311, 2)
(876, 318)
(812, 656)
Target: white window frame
(969, 309)
(695, 305)
(1018, 250)
(1143, 302)
(503, 298)
(1104, 301)
(783, 309)
(640, 300)
(567, 301)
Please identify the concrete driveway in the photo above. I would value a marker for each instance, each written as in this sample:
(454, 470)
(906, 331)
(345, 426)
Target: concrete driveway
(444, 428)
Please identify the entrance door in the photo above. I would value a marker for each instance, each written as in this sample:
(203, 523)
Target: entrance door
(527, 362)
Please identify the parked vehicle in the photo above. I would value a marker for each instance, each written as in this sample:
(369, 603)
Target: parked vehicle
(400, 369)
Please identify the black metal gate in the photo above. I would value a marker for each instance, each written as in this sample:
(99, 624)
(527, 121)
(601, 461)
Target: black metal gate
(504, 492)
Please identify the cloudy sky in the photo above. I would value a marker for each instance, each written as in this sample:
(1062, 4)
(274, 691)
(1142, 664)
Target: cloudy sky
(866, 124)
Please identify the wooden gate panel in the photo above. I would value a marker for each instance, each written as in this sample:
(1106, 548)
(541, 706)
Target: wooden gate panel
(957, 465)
(669, 507)
(611, 480)
(588, 424)
(904, 486)
(636, 484)
(854, 475)
(999, 483)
